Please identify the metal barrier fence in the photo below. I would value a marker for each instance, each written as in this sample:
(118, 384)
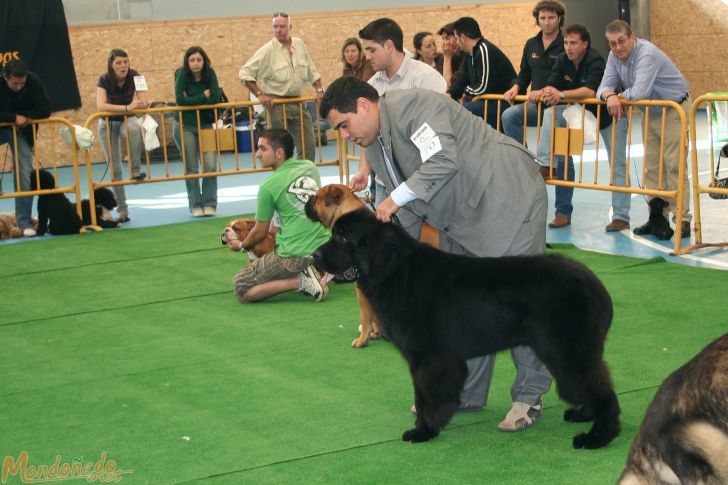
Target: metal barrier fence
(212, 138)
(705, 186)
(571, 142)
(47, 153)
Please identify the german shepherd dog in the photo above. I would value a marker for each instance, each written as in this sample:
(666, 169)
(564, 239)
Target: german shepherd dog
(684, 436)
(440, 309)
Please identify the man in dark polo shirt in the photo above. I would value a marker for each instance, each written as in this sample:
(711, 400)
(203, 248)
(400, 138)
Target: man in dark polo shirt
(577, 74)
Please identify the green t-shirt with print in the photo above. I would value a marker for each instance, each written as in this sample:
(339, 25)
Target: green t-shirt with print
(285, 192)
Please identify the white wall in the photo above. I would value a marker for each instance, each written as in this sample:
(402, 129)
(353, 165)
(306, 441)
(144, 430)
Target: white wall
(96, 11)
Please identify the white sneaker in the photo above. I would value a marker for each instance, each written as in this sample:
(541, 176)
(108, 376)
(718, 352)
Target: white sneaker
(29, 232)
(520, 417)
(309, 282)
(198, 212)
(208, 211)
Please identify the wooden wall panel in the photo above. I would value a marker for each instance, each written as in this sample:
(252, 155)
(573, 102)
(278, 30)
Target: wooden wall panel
(696, 46)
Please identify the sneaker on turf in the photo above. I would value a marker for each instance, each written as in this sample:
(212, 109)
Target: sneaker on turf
(520, 417)
(309, 282)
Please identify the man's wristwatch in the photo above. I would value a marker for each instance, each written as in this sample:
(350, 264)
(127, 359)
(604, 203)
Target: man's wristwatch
(561, 95)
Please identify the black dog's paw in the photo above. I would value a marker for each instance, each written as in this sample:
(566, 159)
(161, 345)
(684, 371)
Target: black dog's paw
(579, 441)
(578, 415)
(664, 234)
(642, 230)
(589, 441)
(418, 435)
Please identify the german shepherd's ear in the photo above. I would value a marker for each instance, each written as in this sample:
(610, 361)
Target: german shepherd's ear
(333, 196)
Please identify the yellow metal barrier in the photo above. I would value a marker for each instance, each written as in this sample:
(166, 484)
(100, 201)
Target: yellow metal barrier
(211, 139)
(48, 155)
(698, 186)
(570, 142)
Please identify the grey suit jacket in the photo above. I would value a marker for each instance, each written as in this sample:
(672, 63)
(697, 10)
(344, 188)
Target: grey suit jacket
(481, 188)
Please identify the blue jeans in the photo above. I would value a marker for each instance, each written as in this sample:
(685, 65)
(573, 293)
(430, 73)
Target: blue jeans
(620, 200)
(23, 205)
(113, 156)
(512, 120)
(478, 109)
(207, 197)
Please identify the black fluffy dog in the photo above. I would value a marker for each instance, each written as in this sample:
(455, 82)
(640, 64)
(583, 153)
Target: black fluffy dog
(56, 214)
(105, 203)
(440, 309)
(657, 224)
(684, 436)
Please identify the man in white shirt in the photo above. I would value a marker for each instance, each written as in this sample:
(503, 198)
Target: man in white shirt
(283, 67)
(382, 40)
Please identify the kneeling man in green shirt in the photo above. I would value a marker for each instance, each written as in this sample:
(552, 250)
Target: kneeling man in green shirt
(290, 266)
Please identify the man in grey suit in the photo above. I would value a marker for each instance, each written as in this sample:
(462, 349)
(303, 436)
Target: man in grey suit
(479, 188)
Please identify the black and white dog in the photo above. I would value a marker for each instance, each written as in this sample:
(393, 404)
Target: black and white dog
(105, 202)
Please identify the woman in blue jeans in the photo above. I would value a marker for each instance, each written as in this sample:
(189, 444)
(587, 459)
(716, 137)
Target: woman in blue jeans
(196, 84)
(116, 91)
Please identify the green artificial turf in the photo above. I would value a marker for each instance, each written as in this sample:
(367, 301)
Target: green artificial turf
(130, 342)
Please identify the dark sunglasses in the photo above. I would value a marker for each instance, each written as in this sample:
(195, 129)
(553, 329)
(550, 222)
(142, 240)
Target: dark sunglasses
(280, 14)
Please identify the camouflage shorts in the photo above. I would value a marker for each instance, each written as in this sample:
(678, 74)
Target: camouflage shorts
(269, 268)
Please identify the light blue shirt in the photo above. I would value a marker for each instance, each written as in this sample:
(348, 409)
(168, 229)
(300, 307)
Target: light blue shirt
(647, 74)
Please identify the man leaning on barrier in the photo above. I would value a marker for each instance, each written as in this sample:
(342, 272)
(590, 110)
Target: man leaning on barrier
(539, 56)
(22, 99)
(577, 74)
(645, 72)
(283, 66)
(485, 70)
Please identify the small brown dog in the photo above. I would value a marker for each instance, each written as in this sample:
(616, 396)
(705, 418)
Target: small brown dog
(9, 226)
(330, 203)
(242, 227)
(684, 436)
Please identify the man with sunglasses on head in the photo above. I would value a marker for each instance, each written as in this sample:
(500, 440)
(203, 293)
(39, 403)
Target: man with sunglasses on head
(281, 69)
(636, 69)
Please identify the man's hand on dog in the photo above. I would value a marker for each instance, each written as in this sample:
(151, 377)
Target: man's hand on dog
(359, 181)
(386, 209)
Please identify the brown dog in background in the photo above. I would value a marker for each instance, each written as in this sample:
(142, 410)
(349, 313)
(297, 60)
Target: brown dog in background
(684, 436)
(330, 203)
(243, 226)
(9, 226)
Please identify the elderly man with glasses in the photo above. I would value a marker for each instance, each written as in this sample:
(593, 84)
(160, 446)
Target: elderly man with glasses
(281, 69)
(636, 69)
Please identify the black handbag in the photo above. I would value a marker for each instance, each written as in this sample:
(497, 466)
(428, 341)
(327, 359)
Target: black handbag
(719, 183)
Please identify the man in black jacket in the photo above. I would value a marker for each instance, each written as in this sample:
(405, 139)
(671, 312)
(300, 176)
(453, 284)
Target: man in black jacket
(485, 69)
(539, 56)
(22, 99)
